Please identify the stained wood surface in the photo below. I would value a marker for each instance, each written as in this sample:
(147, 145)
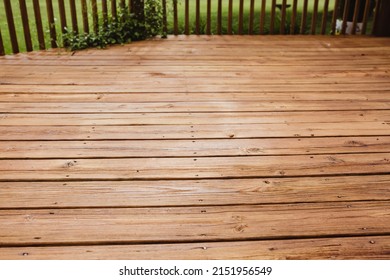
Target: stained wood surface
(200, 147)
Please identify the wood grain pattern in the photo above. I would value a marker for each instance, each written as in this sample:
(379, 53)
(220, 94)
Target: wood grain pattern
(193, 168)
(350, 248)
(190, 148)
(65, 194)
(208, 223)
(198, 147)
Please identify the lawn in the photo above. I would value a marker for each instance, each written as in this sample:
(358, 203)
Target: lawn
(236, 3)
(203, 8)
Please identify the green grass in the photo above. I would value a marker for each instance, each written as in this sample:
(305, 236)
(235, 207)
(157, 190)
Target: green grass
(203, 9)
(236, 3)
(33, 30)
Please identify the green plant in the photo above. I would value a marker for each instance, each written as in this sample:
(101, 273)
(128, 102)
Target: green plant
(123, 28)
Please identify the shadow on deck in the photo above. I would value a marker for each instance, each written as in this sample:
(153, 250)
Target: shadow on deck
(198, 148)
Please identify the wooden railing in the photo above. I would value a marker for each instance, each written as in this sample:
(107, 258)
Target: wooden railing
(53, 17)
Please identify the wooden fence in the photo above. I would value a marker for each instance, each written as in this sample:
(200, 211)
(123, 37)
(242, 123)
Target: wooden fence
(182, 17)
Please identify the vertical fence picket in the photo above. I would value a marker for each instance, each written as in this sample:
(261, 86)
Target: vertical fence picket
(164, 15)
(230, 17)
(375, 20)
(314, 18)
(52, 23)
(293, 17)
(38, 22)
(105, 11)
(355, 17)
(11, 26)
(241, 17)
(251, 16)
(325, 17)
(84, 12)
(113, 8)
(304, 17)
(219, 18)
(282, 28)
(95, 16)
(26, 25)
(61, 8)
(345, 16)
(272, 23)
(175, 23)
(208, 24)
(197, 17)
(73, 13)
(262, 15)
(2, 51)
(365, 17)
(187, 17)
(334, 17)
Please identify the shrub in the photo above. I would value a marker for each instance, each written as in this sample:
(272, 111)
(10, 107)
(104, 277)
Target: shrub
(121, 29)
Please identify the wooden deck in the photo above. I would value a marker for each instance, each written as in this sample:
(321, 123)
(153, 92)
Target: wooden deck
(209, 147)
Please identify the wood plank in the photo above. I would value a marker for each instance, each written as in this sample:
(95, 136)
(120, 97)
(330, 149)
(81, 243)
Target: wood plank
(217, 131)
(188, 148)
(175, 83)
(181, 87)
(348, 248)
(174, 97)
(194, 168)
(214, 223)
(65, 194)
(182, 107)
(330, 70)
(208, 77)
(364, 118)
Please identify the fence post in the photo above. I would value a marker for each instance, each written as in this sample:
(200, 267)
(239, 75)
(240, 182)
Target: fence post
(2, 51)
(382, 23)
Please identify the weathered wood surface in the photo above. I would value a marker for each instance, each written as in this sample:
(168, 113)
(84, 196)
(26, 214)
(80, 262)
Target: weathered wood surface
(200, 147)
(349, 248)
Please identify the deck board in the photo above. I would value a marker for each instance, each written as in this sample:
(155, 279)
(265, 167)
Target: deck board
(198, 147)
